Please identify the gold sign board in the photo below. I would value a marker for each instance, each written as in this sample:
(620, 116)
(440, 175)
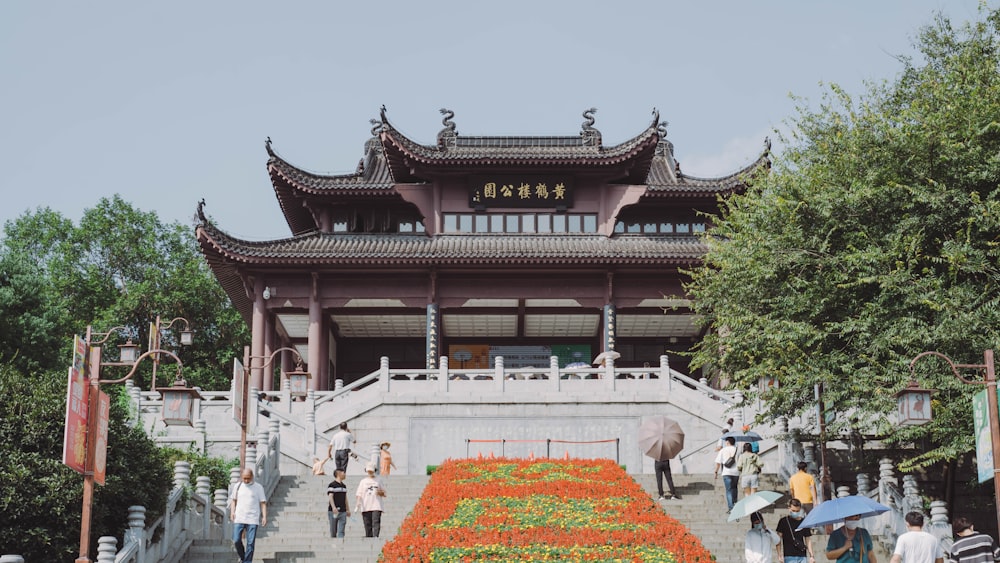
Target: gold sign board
(512, 190)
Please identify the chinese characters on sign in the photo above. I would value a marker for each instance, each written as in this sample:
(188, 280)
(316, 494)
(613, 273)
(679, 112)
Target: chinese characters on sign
(75, 437)
(520, 191)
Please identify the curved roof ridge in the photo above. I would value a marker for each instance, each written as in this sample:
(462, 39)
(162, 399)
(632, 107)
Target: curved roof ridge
(329, 249)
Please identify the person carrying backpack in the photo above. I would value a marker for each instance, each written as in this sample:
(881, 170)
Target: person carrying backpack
(749, 464)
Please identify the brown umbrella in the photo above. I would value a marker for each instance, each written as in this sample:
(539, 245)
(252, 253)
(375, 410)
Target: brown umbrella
(661, 437)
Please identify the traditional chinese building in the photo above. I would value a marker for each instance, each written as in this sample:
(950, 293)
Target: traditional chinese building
(474, 247)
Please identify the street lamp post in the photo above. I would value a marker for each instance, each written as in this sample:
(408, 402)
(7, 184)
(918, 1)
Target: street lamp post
(910, 394)
(244, 388)
(156, 331)
(94, 459)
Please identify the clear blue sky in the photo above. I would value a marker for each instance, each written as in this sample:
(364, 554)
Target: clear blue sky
(167, 103)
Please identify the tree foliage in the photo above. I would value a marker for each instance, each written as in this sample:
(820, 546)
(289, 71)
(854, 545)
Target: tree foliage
(120, 267)
(875, 237)
(40, 498)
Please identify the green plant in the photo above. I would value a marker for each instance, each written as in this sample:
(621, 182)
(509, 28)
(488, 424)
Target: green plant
(215, 468)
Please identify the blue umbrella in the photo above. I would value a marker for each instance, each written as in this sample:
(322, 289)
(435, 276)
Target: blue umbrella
(834, 511)
(739, 436)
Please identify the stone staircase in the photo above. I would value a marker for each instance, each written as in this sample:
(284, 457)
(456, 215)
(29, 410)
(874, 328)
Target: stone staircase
(298, 532)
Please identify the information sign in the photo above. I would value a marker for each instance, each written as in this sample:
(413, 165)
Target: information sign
(75, 432)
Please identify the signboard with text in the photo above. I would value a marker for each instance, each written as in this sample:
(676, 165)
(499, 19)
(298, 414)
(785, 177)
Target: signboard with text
(513, 190)
(237, 397)
(75, 432)
(984, 436)
(101, 438)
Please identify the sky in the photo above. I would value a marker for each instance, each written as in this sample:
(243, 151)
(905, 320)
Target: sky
(168, 103)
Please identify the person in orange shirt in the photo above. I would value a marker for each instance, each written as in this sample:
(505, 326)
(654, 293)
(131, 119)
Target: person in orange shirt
(803, 487)
(385, 460)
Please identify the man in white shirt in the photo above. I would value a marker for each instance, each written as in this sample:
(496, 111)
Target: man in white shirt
(916, 545)
(730, 474)
(248, 509)
(340, 447)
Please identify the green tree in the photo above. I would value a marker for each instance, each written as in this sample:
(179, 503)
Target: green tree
(40, 498)
(119, 267)
(875, 237)
(30, 323)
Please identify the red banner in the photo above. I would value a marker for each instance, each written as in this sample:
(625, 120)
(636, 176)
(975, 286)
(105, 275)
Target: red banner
(75, 436)
(101, 438)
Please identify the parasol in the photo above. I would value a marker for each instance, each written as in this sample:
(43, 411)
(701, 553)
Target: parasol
(660, 437)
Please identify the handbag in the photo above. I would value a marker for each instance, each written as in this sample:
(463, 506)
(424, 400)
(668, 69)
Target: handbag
(730, 461)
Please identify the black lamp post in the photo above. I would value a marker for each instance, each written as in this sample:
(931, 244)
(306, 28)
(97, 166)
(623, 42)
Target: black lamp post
(297, 381)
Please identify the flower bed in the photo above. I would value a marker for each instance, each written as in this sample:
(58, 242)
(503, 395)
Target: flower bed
(539, 510)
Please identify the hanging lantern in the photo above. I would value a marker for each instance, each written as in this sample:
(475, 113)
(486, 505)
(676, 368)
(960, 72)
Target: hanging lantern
(298, 381)
(914, 404)
(178, 403)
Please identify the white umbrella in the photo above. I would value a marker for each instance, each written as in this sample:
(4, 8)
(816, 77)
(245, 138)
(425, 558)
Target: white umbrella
(609, 355)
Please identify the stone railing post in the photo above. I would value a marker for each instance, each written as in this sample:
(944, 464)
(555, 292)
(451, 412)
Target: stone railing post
(498, 375)
(383, 372)
(107, 548)
(182, 474)
(609, 374)
(864, 484)
(886, 477)
(373, 455)
(809, 456)
(275, 436)
(286, 394)
(11, 559)
(911, 495)
(251, 456)
(843, 491)
(442, 374)
(136, 532)
(222, 503)
(939, 525)
(554, 378)
(311, 422)
(665, 372)
(135, 397)
(204, 489)
(263, 471)
(201, 433)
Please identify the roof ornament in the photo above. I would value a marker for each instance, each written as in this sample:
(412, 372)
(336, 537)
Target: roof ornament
(767, 145)
(448, 135)
(656, 118)
(381, 113)
(201, 209)
(267, 146)
(664, 147)
(372, 146)
(591, 136)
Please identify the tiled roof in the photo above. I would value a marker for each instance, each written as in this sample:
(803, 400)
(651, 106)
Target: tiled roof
(403, 153)
(664, 180)
(293, 184)
(390, 249)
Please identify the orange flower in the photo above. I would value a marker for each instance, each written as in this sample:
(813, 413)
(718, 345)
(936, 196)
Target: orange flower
(539, 510)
